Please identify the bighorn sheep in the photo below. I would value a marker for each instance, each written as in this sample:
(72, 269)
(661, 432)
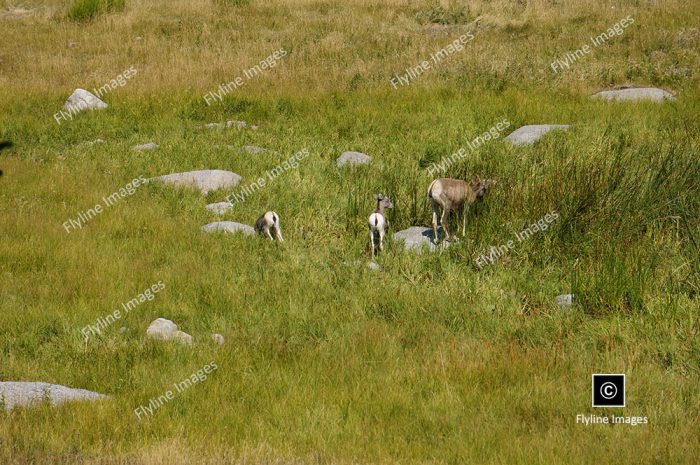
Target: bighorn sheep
(269, 220)
(454, 195)
(377, 221)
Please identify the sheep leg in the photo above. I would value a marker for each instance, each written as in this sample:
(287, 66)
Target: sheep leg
(371, 241)
(267, 230)
(381, 239)
(464, 222)
(443, 222)
(435, 220)
(278, 232)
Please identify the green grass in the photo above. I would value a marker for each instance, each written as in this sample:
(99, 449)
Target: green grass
(420, 361)
(86, 10)
(431, 359)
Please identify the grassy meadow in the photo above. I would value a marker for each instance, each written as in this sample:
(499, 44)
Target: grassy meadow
(429, 360)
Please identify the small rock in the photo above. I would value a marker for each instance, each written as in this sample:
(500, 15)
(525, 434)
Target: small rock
(531, 133)
(26, 393)
(230, 124)
(353, 158)
(122, 330)
(416, 237)
(204, 180)
(253, 149)
(565, 301)
(635, 94)
(81, 100)
(229, 227)
(220, 207)
(162, 329)
(373, 266)
(149, 146)
(238, 124)
(217, 338)
(166, 330)
(183, 338)
(94, 142)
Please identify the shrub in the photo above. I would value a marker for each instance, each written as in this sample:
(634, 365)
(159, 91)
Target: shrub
(87, 10)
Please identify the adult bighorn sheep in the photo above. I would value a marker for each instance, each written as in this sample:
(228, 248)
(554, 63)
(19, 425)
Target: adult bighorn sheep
(267, 222)
(377, 221)
(454, 195)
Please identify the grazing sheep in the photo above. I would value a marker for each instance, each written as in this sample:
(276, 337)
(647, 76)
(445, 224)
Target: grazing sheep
(377, 221)
(269, 220)
(454, 195)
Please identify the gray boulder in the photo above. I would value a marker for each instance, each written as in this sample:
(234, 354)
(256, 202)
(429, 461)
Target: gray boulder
(204, 180)
(416, 237)
(218, 339)
(142, 147)
(220, 207)
(635, 94)
(26, 393)
(353, 158)
(229, 227)
(165, 330)
(81, 100)
(531, 133)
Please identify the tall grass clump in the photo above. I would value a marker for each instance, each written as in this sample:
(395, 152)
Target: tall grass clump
(87, 10)
(438, 14)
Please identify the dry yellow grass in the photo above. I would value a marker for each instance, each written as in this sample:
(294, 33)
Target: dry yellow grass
(199, 44)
